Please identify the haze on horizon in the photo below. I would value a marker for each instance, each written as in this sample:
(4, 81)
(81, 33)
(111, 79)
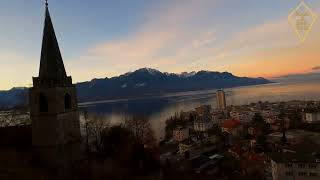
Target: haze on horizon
(108, 38)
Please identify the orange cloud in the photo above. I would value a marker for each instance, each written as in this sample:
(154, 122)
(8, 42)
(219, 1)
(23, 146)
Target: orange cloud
(270, 49)
(164, 42)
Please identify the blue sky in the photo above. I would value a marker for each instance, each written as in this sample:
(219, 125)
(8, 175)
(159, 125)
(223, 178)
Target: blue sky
(104, 38)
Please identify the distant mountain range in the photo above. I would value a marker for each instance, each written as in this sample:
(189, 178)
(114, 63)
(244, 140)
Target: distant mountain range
(13, 97)
(143, 82)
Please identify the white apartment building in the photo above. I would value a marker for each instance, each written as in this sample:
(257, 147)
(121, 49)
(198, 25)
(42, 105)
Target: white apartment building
(221, 100)
(292, 166)
(312, 117)
(242, 116)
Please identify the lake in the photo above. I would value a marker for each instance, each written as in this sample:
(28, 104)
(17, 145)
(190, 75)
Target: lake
(159, 108)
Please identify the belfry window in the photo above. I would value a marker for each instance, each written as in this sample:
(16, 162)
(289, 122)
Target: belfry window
(43, 103)
(67, 101)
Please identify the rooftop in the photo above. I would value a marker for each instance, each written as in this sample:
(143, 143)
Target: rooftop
(293, 158)
(51, 63)
(202, 119)
(231, 123)
(295, 133)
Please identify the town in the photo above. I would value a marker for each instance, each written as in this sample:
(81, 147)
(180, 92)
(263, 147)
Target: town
(263, 140)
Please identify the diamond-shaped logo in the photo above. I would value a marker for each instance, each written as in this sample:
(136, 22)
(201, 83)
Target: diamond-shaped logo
(302, 19)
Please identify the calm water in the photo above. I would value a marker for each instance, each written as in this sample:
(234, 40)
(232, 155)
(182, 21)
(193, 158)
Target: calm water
(159, 108)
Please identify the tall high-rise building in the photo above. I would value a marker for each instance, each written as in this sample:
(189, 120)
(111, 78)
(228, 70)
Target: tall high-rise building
(53, 105)
(221, 100)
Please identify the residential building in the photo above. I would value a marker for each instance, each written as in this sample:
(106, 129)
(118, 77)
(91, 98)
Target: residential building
(221, 100)
(293, 136)
(243, 116)
(180, 134)
(271, 119)
(217, 117)
(312, 117)
(237, 151)
(232, 127)
(270, 115)
(254, 131)
(253, 143)
(202, 124)
(184, 147)
(203, 110)
(294, 166)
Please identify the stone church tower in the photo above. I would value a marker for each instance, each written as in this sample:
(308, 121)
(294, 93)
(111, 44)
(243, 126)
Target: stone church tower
(53, 105)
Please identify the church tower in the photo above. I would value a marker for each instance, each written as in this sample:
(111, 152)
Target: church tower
(53, 104)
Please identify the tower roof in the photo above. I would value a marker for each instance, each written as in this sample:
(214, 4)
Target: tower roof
(51, 63)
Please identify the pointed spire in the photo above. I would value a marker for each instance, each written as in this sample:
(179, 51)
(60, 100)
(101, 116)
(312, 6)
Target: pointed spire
(51, 63)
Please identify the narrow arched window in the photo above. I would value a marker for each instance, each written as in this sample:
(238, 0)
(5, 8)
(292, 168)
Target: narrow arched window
(43, 103)
(67, 101)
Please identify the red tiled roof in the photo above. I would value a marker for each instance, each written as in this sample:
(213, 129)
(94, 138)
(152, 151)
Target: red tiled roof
(257, 157)
(231, 123)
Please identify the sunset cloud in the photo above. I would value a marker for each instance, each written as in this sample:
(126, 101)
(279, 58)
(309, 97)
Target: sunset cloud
(315, 68)
(167, 35)
(162, 42)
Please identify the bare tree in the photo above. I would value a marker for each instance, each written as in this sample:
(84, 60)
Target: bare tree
(85, 116)
(141, 129)
(95, 126)
(14, 117)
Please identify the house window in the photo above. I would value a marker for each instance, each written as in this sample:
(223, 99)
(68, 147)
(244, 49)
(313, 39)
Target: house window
(67, 101)
(43, 103)
(312, 166)
(313, 174)
(302, 174)
(289, 173)
(288, 165)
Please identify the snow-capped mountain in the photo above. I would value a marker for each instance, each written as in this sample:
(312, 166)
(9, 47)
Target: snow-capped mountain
(143, 82)
(151, 81)
(187, 74)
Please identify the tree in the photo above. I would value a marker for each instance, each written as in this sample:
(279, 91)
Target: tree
(116, 140)
(191, 117)
(258, 121)
(126, 153)
(85, 116)
(261, 143)
(170, 125)
(282, 118)
(257, 118)
(95, 126)
(15, 117)
(141, 130)
(295, 119)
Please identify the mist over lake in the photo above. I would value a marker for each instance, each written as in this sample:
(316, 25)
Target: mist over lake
(158, 108)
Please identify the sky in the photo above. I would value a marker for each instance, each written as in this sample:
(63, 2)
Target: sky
(106, 38)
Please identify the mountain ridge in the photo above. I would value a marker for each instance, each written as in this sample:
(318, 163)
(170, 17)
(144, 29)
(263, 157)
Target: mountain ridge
(143, 82)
